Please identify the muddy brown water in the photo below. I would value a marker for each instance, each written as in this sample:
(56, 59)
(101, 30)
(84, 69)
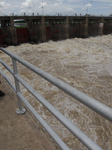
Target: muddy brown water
(85, 64)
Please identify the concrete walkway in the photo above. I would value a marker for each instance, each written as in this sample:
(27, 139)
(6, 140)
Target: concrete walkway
(20, 132)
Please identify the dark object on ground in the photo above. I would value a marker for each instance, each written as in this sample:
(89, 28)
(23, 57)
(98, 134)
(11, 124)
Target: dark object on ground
(2, 94)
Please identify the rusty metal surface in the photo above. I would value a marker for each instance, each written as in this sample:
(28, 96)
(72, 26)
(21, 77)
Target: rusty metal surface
(2, 36)
(52, 33)
(22, 35)
(107, 28)
(93, 29)
(48, 33)
(74, 30)
(1, 39)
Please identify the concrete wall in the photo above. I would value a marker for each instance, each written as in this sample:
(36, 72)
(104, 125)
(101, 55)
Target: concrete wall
(74, 30)
(8, 31)
(41, 29)
(11, 36)
(35, 34)
(56, 32)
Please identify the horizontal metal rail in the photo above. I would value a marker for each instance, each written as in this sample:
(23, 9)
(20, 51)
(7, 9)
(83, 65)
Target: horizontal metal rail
(69, 125)
(95, 105)
(44, 124)
(57, 139)
(38, 117)
(90, 102)
(7, 67)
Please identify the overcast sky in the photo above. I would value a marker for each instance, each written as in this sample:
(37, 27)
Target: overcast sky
(53, 7)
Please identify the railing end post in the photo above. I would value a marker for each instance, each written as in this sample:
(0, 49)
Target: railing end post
(20, 112)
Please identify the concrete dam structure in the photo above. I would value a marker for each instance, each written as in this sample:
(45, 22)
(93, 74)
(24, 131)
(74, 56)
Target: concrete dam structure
(44, 28)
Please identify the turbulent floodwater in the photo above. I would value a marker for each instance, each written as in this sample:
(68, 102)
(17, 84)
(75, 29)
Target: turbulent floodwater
(85, 64)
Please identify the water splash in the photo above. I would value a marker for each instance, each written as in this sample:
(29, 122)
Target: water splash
(85, 64)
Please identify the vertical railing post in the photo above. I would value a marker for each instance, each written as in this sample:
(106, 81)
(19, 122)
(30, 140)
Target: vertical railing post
(21, 110)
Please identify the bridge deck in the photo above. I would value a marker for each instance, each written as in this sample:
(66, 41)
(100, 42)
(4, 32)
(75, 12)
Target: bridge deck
(20, 132)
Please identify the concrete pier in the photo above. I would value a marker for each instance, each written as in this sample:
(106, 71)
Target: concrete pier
(44, 28)
(20, 132)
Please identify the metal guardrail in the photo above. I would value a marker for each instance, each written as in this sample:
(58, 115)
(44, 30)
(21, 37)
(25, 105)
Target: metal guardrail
(93, 104)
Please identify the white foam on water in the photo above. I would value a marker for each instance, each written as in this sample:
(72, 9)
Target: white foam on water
(85, 64)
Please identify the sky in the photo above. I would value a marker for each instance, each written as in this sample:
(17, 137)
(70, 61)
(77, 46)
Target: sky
(55, 7)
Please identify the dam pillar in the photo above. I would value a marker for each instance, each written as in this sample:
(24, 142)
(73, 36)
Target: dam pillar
(32, 30)
(84, 28)
(57, 29)
(93, 27)
(9, 31)
(37, 30)
(66, 26)
(43, 29)
(101, 25)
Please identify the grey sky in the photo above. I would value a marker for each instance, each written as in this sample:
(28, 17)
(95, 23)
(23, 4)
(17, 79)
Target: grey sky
(53, 7)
